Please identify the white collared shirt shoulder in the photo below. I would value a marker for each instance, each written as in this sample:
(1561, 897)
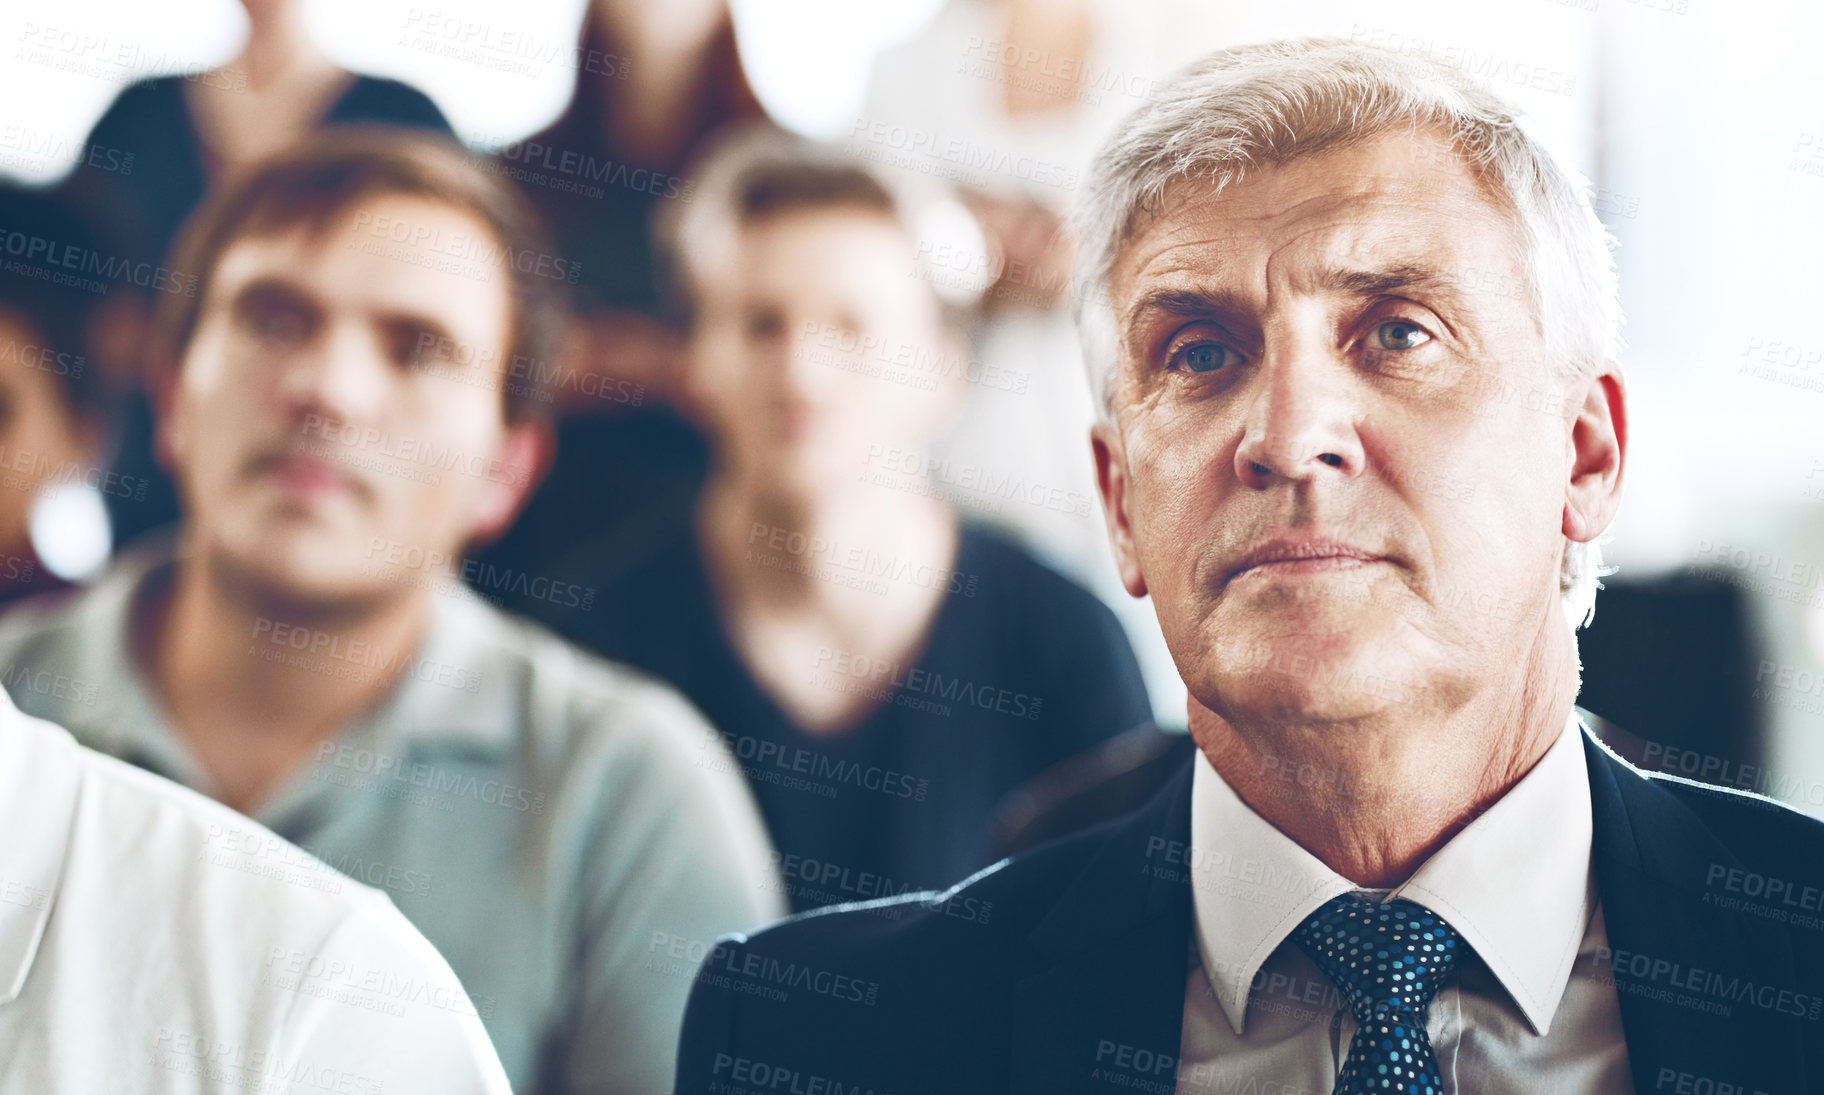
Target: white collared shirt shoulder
(154, 941)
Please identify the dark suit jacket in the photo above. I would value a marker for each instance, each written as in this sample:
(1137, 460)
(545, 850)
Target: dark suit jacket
(1063, 970)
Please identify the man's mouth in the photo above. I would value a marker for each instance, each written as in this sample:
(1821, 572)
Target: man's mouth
(1295, 556)
(309, 476)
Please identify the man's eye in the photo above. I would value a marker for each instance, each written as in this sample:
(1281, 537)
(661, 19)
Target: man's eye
(1400, 335)
(1204, 357)
(277, 325)
(763, 324)
(411, 346)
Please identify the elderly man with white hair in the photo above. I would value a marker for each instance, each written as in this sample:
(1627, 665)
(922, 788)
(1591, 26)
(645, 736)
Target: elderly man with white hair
(1354, 336)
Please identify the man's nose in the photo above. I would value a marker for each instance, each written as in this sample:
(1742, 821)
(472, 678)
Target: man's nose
(803, 368)
(797, 367)
(340, 375)
(1300, 421)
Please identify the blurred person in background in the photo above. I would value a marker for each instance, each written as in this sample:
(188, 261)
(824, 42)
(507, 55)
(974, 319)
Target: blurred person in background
(652, 81)
(337, 402)
(1012, 98)
(54, 408)
(183, 134)
(884, 671)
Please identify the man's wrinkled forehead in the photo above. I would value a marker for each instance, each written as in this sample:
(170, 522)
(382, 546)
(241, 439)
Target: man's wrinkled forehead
(1398, 199)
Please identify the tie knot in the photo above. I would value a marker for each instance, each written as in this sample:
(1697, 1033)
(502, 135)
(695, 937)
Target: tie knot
(1385, 958)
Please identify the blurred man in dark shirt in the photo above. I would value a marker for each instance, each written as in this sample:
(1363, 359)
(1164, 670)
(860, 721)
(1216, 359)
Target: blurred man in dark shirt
(884, 671)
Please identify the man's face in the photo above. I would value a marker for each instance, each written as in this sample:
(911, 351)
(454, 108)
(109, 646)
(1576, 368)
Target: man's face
(1340, 459)
(314, 423)
(818, 347)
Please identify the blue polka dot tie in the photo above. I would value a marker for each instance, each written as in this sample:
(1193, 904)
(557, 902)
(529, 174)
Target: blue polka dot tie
(1389, 960)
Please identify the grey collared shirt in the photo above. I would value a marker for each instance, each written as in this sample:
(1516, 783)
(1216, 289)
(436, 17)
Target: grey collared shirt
(568, 832)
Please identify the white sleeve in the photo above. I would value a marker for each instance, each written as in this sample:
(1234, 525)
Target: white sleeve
(377, 1010)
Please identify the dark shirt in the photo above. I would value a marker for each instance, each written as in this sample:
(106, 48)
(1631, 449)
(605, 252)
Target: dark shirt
(599, 199)
(144, 207)
(140, 210)
(1021, 669)
(22, 576)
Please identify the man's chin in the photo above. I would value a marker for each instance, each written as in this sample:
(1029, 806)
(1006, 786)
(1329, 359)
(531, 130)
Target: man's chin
(1284, 701)
(1314, 676)
(302, 567)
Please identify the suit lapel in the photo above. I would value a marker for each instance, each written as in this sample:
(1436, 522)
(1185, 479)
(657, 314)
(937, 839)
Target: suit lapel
(1700, 986)
(1105, 1010)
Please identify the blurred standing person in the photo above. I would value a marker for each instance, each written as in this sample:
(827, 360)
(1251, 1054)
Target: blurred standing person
(54, 409)
(187, 133)
(1015, 96)
(652, 81)
(336, 404)
(885, 672)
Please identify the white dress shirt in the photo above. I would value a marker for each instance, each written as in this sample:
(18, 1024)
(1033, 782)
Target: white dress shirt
(1530, 1011)
(154, 941)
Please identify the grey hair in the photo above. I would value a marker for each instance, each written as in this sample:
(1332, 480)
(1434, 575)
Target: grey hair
(1263, 105)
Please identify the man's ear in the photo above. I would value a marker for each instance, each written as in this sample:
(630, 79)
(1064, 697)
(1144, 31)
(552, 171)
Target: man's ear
(169, 435)
(1112, 483)
(526, 453)
(1598, 449)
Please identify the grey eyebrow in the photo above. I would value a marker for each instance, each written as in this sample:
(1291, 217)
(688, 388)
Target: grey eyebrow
(1186, 302)
(1397, 278)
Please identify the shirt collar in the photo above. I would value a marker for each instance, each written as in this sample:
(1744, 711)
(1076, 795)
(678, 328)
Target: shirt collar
(1516, 883)
(40, 773)
(456, 691)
